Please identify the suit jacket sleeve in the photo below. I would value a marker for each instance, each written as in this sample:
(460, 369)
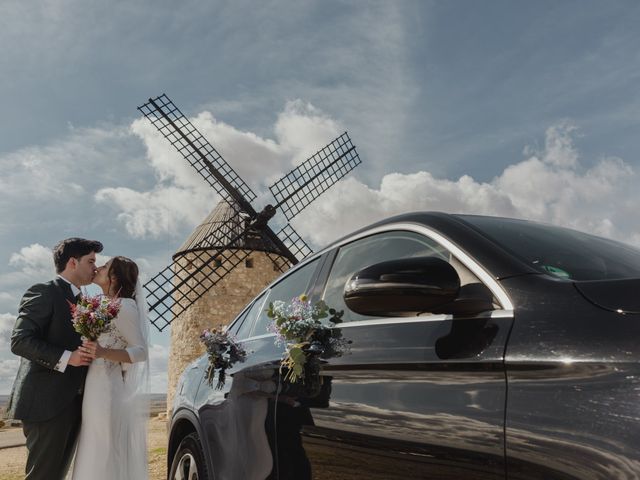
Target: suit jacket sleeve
(34, 318)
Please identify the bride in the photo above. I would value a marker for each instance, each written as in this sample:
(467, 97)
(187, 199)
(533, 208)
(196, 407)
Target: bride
(112, 441)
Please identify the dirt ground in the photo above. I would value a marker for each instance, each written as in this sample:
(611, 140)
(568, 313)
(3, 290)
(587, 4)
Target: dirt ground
(12, 460)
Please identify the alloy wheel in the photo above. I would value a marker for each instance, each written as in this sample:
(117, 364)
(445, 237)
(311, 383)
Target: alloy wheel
(187, 468)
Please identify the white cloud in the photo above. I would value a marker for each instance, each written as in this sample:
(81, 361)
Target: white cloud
(8, 370)
(302, 129)
(182, 198)
(161, 211)
(7, 321)
(250, 155)
(101, 258)
(7, 300)
(550, 185)
(65, 169)
(32, 264)
(8, 362)
(34, 261)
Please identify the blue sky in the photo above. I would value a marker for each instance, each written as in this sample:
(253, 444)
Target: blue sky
(526, 109)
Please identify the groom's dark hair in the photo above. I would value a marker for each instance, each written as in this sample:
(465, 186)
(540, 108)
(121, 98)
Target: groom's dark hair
(73, 248)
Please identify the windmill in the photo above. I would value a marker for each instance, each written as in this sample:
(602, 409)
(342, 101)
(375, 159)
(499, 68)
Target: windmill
(234, 230)
(215, 253)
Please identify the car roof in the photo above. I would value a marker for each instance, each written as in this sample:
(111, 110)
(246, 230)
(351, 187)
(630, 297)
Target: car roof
(499, 262)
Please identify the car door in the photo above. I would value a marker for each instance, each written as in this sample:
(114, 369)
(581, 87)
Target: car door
(417, 397)
(237, 419)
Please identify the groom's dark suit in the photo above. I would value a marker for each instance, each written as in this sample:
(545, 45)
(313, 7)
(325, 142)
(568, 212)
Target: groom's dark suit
(48, 402)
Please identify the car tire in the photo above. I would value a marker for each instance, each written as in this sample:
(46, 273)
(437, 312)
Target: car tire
(188, 462)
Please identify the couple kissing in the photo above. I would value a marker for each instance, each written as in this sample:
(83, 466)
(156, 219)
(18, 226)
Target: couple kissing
(77, 397)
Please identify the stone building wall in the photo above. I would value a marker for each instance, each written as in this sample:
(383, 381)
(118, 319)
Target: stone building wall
(219, 306)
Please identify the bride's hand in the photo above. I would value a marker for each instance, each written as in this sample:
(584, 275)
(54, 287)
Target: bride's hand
(94, 349)
(79, 358)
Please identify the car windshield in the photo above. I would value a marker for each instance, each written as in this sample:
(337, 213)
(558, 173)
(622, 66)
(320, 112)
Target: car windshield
(560, 251)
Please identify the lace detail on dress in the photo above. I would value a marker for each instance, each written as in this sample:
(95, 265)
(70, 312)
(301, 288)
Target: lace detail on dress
(111, 338)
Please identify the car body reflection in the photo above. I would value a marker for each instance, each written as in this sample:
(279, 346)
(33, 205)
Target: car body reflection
(524, 363)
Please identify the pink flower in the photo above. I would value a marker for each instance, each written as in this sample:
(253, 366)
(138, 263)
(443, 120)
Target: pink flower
(92, 315)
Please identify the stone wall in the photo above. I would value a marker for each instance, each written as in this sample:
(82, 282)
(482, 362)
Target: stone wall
(219, 306)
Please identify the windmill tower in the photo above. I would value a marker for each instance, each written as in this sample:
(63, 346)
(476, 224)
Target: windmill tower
(234, 253)
(220, 304)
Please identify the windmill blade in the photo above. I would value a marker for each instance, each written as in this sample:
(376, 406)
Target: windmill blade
(200, 154)
(181, 284)
(294, 242)
(213, 251)
(190, 143)
(310, 179)
(193, 273)
(280, 264)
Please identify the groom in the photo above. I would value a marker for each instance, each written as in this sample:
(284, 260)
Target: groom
(47, 392)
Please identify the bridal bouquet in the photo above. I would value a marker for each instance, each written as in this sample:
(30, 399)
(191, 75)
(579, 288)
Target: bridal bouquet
(297, 325)
(92, 316)
(224, 351)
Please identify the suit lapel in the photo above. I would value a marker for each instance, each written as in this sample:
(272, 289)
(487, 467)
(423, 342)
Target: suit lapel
(64, 318)
(65, 289)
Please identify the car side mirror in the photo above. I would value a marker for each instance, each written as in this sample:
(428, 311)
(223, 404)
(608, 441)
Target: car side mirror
(473, 298)
(405, 287)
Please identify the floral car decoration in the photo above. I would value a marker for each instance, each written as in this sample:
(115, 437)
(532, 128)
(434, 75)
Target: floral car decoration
(224, 351)
(297, 325)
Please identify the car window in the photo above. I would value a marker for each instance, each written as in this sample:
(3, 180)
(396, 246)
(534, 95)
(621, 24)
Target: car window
(291, 286)
(380, 248)
(245, 328)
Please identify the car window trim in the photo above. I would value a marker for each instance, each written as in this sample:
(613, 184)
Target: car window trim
(440, 317)
(317, 290)
(253, 325)
(257, 337)
(232, 325)
(331, 252)
(406, 320)
(498, 292)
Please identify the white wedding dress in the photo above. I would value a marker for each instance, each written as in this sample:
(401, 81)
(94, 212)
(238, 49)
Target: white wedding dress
(112, 440)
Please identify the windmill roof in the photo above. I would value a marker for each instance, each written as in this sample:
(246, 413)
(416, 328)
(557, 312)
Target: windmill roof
(225, 222)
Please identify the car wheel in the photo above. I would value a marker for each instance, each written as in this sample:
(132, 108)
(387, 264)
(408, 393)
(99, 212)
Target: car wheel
(188, 462)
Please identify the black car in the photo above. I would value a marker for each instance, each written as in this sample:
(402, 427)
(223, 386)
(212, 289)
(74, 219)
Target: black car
(481, 348)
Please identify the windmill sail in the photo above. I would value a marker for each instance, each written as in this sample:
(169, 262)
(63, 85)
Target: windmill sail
(219, 245)
(296, 190)
(294, 242)
(213, 252)
(200, 154)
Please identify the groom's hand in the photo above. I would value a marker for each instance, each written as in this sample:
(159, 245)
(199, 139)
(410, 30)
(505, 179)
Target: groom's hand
(79, 358)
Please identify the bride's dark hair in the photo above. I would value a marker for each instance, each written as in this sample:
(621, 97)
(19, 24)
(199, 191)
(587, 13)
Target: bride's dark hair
(125, 272)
